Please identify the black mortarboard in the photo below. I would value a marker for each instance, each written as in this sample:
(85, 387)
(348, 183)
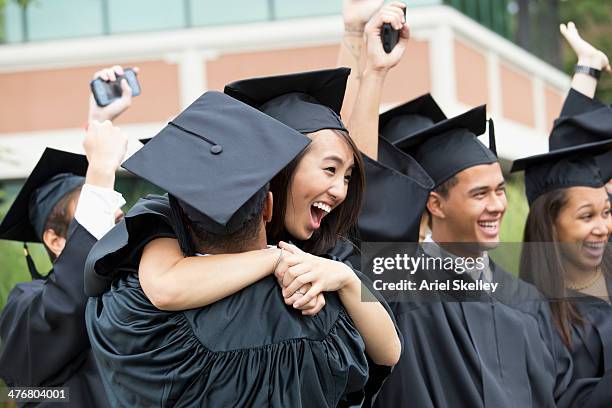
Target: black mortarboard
(399, 177)
(583, 121)
(411, 117)
(305, 101)
(563, 168)
(604, 161)
(214, 157)
(450, 146)
(56, 174)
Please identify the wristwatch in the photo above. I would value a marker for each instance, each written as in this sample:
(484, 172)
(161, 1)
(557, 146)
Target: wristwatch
(583, 69)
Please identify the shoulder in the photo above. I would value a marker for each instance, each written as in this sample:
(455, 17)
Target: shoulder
(120, 249)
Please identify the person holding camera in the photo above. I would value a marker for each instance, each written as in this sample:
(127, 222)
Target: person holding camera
(67, 203)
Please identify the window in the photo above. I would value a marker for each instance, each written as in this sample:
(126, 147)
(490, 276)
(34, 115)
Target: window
(209, 12)
(145, 15)
(47, 20)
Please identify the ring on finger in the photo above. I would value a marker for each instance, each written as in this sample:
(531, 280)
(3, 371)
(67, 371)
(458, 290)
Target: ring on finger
(301, 293)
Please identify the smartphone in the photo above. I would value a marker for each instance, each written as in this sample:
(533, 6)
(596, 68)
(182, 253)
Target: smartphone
(389, 36)
(105, 92)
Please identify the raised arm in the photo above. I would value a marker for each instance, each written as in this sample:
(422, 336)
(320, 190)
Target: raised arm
(588, 56)
(363, 124)
(355, 13)
(42, 326)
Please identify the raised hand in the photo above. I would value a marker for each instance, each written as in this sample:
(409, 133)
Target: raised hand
(586, 53)
(356, 13)
(105, 146)
(118, 106)
(377, 58)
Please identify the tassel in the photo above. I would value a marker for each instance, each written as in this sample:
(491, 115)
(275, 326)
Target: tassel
(31, 267)
(182, 234)
(492, 145)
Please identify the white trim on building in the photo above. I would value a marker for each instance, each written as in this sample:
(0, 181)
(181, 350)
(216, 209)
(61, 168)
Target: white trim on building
(191, 48)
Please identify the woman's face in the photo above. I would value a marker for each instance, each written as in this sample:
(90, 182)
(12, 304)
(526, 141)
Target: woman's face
(319, 183)
(584, 223)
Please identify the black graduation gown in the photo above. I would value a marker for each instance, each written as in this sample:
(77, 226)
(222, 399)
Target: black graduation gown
(485, 351)
(42, 327)
(252, 332)
(592, 342)
(246, 350)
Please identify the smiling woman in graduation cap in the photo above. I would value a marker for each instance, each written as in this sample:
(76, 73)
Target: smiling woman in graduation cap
(566, 254)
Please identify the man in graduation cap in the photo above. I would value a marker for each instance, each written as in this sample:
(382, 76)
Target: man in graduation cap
(44, 342)
(473, 347)
(219, 355)
(67, 203)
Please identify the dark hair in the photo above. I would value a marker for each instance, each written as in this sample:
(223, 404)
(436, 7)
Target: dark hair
(541, 264)
(207, 242)
(59, 219)
(444, 188)
(340, 222)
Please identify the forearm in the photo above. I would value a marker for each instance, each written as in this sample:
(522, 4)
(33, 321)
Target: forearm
(373, 323)
(199, 281)
(363, 125)
(584, 83)
(350, 56)
(101, 175)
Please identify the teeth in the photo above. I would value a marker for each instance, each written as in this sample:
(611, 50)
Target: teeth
(322, 206)
(596, 245)
(488, 224)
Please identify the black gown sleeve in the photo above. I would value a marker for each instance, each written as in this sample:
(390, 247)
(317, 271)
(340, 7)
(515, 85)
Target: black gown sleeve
(42, 325)
(345, 251)
(119, 251)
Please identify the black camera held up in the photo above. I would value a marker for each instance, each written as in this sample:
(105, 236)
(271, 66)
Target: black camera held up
(389, 36)
(105, 92)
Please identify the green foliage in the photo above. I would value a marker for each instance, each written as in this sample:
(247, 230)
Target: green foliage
(592, 17)
(508, 253)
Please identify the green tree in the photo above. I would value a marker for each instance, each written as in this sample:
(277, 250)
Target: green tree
(24, 4)
(592, 17)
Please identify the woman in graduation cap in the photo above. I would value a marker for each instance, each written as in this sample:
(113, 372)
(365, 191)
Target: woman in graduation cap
(569, 223)
(316, 198)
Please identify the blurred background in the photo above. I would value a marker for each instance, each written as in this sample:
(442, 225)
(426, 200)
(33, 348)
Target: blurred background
(507, 54)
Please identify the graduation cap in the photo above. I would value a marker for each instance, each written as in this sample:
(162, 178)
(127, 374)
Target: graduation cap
(222, 152)
(399, 176)
(306, 101)
(411, 117)
(583, 121)
(56, 174)
(451, 145)
(569, 167)
(604, 162)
